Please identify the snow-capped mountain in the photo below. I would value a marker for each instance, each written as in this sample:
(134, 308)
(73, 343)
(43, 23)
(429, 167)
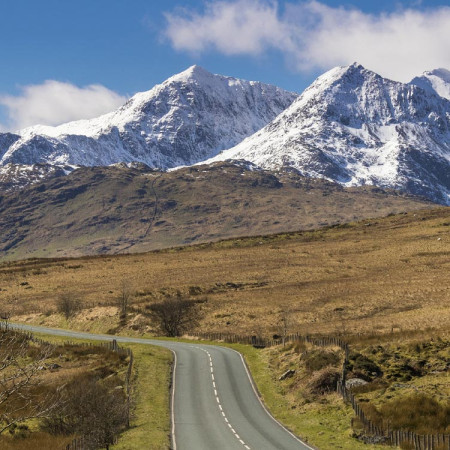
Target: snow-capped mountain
(355, 127)
(437, 81)
(188, 118)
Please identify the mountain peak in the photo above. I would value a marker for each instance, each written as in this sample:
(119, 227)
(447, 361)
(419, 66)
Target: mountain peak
(355, 127)
(437, 81)
(344, 78)
(194, 72)
(184, 120)
(442, 73)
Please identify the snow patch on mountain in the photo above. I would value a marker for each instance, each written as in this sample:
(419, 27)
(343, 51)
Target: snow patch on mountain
(18, 176)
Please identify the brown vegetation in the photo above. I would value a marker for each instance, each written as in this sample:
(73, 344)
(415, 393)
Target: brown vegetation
(376, 276)
(51, 393)
(99, 210)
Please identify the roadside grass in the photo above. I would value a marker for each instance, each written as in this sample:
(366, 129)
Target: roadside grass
(150, 426)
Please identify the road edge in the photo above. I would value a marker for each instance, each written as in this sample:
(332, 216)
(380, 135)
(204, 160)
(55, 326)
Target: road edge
(172, 400)
(259, 397)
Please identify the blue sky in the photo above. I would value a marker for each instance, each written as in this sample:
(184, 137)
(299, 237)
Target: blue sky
(129, 46)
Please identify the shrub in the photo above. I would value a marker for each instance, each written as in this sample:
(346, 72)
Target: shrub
(319, 359)
(68, 305)
(363, 367)
(175, 315)
(324, 381)
(90, 410)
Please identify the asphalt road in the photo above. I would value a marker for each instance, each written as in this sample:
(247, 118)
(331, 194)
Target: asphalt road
(215, 405)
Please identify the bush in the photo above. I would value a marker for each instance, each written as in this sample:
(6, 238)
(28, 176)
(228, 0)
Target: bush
(175, 315)
(68, 305)
(363, 367)
(319, 359)
(91, 410)
(324, 381)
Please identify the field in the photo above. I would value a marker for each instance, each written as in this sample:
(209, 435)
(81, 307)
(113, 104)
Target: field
(372, 276)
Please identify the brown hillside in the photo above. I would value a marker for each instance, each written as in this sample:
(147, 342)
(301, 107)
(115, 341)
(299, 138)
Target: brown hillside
(110, 210)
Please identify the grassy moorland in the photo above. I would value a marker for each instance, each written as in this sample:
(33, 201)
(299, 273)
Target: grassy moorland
(372, 276)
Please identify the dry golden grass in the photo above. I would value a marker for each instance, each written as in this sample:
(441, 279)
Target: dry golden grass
(372, 276)
(40, 440)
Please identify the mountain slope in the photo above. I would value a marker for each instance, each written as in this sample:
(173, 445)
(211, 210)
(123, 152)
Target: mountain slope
(119, 209)
(354, 127)
(188, 118)
(14, 177)
(437, 81)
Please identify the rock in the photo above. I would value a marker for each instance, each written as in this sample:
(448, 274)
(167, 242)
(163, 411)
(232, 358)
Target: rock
(289, 373)
(354, 382)
(53, 366)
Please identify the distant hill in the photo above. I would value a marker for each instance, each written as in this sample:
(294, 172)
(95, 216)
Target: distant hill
(118, 209)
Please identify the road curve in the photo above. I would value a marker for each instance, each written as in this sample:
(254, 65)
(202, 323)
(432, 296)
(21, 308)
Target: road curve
(214, 402)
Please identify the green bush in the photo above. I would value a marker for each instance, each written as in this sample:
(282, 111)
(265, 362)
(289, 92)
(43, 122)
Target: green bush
(363, 367)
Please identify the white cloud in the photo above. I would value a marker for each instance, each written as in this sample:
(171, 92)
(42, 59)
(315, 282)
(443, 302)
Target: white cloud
(238, 27)
(55, 102)
(312, 35)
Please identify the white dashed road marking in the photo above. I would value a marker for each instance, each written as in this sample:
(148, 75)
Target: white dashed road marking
(218, 401)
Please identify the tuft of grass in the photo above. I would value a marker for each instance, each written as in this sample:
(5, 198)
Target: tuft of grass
(418, 412)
